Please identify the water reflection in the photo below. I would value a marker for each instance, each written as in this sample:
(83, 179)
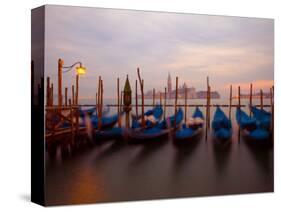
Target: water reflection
(112, 148)
(263, 155)
(221, 156)
(147, 150)
(119, 171)
(183, 152)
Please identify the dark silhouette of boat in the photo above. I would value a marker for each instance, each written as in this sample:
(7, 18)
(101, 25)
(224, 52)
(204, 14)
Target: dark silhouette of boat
(89, 111)
(190, 133)
(151, 117)
(159, 130)
(114, 133)
(92, 111)
(255, 129)
(263, 117)
(106, 121)
(221, 126)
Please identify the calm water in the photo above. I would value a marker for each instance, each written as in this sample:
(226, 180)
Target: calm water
(116, 171)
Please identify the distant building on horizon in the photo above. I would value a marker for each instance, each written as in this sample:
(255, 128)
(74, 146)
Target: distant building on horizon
(256, 95)
(191, 92)
(203, 95)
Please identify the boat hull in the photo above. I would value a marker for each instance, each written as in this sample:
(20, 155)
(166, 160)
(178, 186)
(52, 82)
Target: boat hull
(188, 140)
(147, 135)
(262, 140)
(115, 133)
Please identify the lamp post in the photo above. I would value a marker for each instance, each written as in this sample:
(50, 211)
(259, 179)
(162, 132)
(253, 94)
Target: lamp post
(127, 101)
(80, 70)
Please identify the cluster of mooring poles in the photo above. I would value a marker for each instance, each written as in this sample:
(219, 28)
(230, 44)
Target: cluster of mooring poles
(67, 108)
(261, 96)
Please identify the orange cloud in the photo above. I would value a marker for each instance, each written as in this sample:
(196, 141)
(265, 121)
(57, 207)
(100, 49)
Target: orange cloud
(257, 85)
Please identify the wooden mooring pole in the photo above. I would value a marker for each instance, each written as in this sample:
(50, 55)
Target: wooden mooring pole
(207, 110)
(261, 98)
(239, 106)
(73, 94)
(251, 98)
(60, 65)
(48, 92)
(52, 95)
(239, 97)
(118, 102)
(71, 116)
(142, 106)
(165, 102)
(121, 105)
(41, 91)
(141, 82)
(136, 93)
(230, 102)
(96, 103)
(176, 102)
(153, 97)
(77, 89)
(65, 96)
(121, 101)
(99, 103)
(185, 105)
(77, 119)
(209, 106)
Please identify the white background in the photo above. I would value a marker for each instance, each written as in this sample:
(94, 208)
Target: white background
(15, 104)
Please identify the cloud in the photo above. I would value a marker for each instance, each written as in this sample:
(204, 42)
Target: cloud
(265, 85)
(113, 43)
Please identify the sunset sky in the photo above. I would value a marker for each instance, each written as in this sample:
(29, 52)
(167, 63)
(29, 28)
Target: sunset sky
(113, 43)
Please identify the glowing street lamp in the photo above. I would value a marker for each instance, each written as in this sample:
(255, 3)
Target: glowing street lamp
(80, 70)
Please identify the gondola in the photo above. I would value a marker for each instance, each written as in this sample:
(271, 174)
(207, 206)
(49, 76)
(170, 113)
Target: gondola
(114, 133)
(170, 121)
(263, 117)
(251, 128)
(89, 111)
(160, 130)
(188, 134)
(221, 126)
(148, 134)
(106, 121)
(156, 111)
(92, 111)
(151, 117)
